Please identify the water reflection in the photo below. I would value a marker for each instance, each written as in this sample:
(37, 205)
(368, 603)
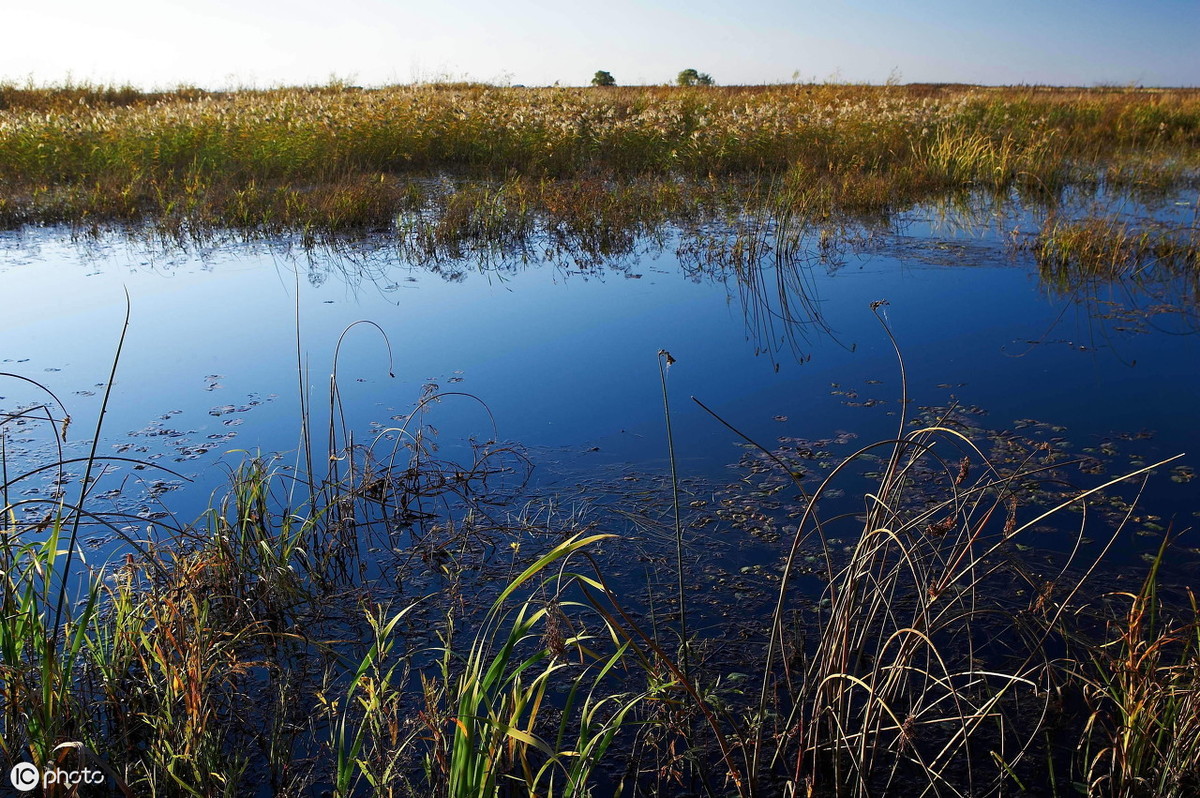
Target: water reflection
(557, 329)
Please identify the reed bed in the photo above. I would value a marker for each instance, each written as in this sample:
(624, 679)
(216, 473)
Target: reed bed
(335, 158)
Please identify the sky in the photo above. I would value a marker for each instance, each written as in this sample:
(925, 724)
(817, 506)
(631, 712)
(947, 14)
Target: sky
(231, 43)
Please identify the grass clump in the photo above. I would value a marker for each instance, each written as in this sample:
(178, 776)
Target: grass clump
(1143, 682)
(1070, 254)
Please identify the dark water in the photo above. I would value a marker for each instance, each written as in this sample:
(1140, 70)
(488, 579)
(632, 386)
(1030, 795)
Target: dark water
(565, 358)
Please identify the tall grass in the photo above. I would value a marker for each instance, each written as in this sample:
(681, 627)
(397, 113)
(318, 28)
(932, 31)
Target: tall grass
(336, 158)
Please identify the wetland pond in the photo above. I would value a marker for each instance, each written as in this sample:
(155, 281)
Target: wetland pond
(533, 380)
(558, 353)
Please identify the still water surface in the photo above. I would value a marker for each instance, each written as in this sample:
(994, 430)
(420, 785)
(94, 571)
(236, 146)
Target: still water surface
(565, 358)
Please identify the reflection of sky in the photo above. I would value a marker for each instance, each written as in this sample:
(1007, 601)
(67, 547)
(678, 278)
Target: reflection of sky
(221, 43)
(568, 362)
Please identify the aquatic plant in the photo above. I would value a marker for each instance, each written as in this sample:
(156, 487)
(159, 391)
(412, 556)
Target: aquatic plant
(926, 663)
(1142, 681)
(1075, 252)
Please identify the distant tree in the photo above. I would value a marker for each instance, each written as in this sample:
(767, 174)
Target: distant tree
(602, 78)
(690, 77)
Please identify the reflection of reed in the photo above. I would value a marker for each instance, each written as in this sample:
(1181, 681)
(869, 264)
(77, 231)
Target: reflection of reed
(769, 254)
(780, 304)
(765, 253)
(766, 256)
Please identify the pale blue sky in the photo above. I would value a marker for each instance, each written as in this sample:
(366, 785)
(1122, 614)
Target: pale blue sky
(220, 43)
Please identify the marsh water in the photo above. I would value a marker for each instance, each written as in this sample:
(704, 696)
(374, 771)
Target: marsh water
(559, 353)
